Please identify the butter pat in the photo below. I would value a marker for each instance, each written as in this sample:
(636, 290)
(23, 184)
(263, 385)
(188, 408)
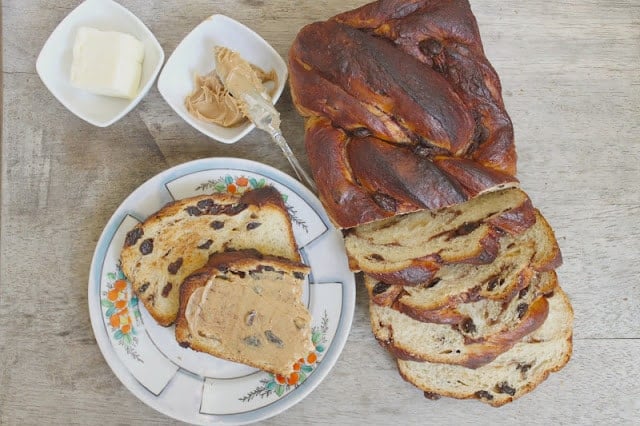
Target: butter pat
(107, 63)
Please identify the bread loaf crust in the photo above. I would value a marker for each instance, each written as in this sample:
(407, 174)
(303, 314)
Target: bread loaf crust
(402, 99)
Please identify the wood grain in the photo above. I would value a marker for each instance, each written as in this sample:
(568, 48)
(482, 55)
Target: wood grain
(570, 73)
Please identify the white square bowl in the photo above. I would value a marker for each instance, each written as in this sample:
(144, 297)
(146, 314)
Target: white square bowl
(54, 62)
(194, 55)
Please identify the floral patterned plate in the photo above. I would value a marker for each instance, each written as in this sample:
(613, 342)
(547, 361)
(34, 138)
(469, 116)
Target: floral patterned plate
(196, 387)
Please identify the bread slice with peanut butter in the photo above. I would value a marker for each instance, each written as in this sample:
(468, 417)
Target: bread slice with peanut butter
(161, 252)
(246, 307)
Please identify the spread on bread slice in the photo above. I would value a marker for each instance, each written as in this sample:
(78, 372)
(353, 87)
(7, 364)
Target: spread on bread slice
(246, 307)
(167, 247)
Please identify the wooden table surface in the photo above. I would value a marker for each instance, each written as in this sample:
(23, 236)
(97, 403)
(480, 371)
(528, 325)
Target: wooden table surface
(570, 73)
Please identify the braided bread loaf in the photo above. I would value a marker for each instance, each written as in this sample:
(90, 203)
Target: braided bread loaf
(414, 158)
(401, 101)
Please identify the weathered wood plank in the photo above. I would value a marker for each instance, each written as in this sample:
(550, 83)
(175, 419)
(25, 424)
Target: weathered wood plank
(571, 79)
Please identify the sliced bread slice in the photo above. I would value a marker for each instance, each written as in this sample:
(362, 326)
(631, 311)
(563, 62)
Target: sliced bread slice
(480, 331)
(536, 249)
(409, 249)
(162, 251)
(246, 307)
(478, 320)
(512, 374)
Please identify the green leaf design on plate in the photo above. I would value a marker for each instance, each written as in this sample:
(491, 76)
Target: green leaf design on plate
(306, 368)
(127, 338)
(320, 348)
(220, 187)
(228, 179)
(285, 197)
(118, 335)
(111, 276)
(106, 303)
(280, 390)
(120, 274)
(271, 385)
(261, 183)
(253, 182)
(302, 377)
(133, 302)
(315, 337)
(110, 311)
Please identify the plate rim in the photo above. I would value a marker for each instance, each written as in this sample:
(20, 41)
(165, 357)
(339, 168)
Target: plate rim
(125, 376)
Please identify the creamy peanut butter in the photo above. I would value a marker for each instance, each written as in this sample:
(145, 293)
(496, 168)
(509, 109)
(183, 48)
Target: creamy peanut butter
(212, 101)
(252, 320)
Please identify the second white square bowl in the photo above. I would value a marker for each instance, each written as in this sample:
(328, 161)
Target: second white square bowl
(194, 55)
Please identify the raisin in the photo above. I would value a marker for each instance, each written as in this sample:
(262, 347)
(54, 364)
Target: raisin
(143, 287)
(523, 292)
(493, 283)
(250, 317)
(433, 282)
(147, 246)
(483, 394)
(426, 150)
(252, 341)
(205, 204)
(380, 288)
(468, 326)
(522, 309)
(272, 338)
(193, 211)
(234, 209)
(523, 368)
(166, 289)
(241, 274)
(298, 275)
(268, 268)
(430, 47)
(505, 388)
(466, 228)
(223, 267)
(205, 245)
(481, 134)
(174, 267)
(216, 209)
(375, 256)
(361, 132)
(133, 236)
(432, 396)
(252, 225)
(217, 224)
(385, 202)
